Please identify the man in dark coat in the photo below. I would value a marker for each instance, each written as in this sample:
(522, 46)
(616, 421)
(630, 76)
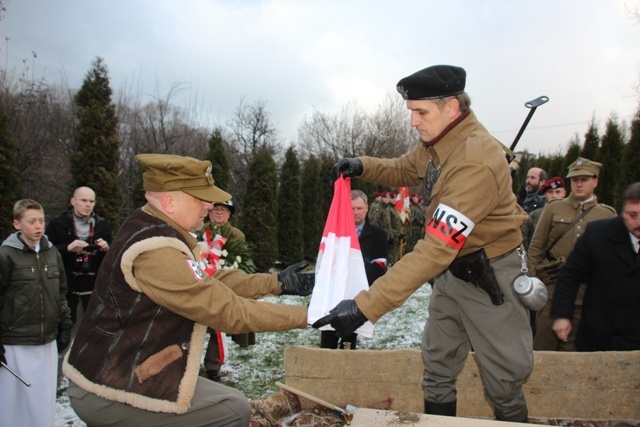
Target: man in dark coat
(82, 237)
(373, 245)
(607, 259)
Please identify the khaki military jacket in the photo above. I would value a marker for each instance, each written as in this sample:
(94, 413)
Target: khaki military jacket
(472, 207)
(163, 275)
(555, 217)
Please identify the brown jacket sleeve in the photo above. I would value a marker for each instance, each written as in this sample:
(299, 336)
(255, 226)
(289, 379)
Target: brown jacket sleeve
(172, 279)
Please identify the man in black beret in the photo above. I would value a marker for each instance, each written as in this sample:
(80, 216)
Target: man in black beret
(468, 251)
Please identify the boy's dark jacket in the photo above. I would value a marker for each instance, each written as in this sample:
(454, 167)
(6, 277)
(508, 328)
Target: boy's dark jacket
(33, 290)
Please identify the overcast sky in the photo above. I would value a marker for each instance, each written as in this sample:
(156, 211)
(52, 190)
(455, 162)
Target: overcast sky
(300, 55)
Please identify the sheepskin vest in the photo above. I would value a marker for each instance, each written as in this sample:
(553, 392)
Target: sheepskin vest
(127, 348)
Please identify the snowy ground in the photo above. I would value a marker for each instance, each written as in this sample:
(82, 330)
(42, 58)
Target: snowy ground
(254, 370)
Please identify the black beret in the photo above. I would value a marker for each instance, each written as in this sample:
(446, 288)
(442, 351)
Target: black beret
(438, 81)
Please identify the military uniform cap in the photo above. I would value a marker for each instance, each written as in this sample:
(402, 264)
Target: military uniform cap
(584, 167)
(438, 81)
(166, 172)
(552, 184)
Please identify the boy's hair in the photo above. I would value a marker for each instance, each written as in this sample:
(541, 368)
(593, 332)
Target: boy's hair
(24, 205)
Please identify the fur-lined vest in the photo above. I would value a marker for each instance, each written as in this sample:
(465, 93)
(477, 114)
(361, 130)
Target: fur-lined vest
(128, 348)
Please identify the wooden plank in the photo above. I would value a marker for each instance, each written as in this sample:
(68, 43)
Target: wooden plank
(379, 418)
(602, 385)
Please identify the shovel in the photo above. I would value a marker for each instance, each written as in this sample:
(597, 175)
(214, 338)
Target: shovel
(346, 413)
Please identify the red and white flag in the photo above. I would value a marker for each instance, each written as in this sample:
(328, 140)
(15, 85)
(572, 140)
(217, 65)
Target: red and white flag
(340, 272)
(403, 203)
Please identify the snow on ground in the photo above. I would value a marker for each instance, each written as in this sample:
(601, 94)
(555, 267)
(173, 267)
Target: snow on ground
(254, 370)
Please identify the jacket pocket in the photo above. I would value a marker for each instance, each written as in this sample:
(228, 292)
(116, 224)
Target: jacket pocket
(157, 362)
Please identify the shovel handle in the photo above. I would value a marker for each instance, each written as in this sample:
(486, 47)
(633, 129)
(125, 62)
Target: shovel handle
(310, 397)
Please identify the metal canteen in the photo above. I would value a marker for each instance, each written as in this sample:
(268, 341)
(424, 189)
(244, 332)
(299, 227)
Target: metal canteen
(531, 291)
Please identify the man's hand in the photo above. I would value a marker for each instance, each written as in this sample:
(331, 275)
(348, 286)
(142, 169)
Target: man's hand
(64, 336)
(347, 167)
(345, 318)
(104, 246)
(295, 283)
(562, 328)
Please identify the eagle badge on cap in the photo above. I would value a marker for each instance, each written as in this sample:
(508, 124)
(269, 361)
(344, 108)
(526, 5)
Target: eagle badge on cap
(579, 162)
(208, 175)
(403, 92)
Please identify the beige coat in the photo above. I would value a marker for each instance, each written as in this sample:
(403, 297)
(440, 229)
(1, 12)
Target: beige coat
(474, 182)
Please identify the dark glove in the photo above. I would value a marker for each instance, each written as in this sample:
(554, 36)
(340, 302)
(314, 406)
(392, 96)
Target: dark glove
(2, 358)
(64, 336)
(295, 283)
(346, 167)
(345, 318)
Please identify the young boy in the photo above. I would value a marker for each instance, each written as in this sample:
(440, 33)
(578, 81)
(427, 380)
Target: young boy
(33, 315)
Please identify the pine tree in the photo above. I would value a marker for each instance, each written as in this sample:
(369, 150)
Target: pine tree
(219, 160)
(573, 152)
(609, 155)
(312, 219)
(630, 164)
(326, 188)
(591, 142)
(94, 162)
(10, 183)
(290, 243)
(260, 212)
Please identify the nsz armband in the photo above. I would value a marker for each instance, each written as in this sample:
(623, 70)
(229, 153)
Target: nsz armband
(450, 226)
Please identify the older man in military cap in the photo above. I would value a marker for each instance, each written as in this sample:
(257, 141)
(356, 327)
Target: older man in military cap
(560, 225)
(136, 356)
(469, 247)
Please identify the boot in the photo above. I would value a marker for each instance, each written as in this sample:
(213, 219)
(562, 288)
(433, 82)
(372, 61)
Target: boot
(447, 409)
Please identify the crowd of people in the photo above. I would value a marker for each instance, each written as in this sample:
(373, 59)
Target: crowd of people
(150, 293)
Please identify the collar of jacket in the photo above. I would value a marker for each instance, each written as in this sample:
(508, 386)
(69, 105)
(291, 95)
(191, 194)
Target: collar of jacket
(576, 203)
(447, 129)
(189, 238)
(450, 140)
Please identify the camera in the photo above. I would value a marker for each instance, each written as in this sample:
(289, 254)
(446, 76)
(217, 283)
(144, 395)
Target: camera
(83, 263)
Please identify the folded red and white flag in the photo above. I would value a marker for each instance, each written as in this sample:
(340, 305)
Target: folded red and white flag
(340, 272)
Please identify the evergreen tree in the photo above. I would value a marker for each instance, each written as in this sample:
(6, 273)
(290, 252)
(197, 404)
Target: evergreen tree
(573, 152)
(630, 164)
(10, 183)
(610, 155)
(94, 162)
(219, 160)
(326, 188)
(312, 219)
(290, 243)
(591, 142)
(260, 212)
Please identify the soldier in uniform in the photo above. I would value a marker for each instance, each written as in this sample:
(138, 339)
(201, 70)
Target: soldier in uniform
(378, 213)
(395, 232)
(417, 222)
(470, 247)
(136, 356)
(552, 189)
(555, 219)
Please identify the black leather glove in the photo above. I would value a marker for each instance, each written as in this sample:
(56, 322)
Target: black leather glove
(64, 336)
(347, 167)
(345, 318)
(295, 283)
